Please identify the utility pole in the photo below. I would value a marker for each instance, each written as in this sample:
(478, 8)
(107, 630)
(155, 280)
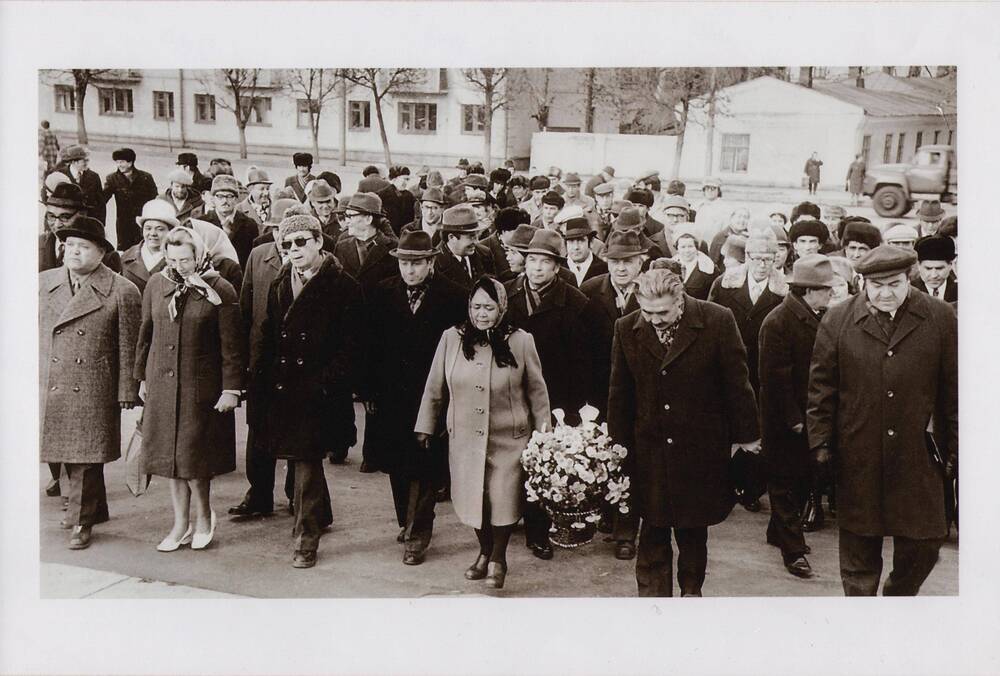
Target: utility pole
(710, 129)
(588, 121)
(180, 107)
(343, 121)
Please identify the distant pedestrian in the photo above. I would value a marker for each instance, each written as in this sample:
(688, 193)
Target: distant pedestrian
(131, 188)
(811, 171)
(199, 181)
(48, 146)
(856, 179)
(75, 163)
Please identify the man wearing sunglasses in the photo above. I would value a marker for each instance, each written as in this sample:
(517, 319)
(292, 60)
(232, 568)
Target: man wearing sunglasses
(64, 204)
(305, 369)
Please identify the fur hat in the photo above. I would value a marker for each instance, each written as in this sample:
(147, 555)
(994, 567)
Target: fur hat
(735, 247)
(188, 159)
(809, 228)
(540, 183)
(554, 199)
(861, 232)
(126, 154)
(805, 209)
(640, 196)
(73, 153)
(332, 180)
(935, 248)
(509, 218)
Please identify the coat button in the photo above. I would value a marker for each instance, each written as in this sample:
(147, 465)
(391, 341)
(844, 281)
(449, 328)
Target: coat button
(892, 433)
(670, 441)
(663, 372)
(54, 388)
(81, 332)
(889, 394)
(279, 386)
(170, 373)
(479, 410)
(302, 335)
(889, 353)
(55, 360)
(300, 361)
(58, 331)
(480, 388)
(480, 432)
(284, 334)
(170, 347)
(666, 407)
(76, 389)
(283, 360)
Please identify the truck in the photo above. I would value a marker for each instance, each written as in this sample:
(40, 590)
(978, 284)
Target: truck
(932, 175)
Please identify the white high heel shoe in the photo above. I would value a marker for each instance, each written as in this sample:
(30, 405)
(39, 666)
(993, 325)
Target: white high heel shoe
(168, 544)
(201, 540)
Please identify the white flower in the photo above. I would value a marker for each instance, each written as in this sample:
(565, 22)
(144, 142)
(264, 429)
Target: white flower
(578, 525)
(593, 518)
(560, 416)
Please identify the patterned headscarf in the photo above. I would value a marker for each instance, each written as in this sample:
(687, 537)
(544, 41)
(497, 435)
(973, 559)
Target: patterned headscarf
(196, 281)
(501, 301)
(215, 239)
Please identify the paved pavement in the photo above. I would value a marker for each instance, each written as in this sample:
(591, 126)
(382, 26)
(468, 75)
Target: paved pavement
(359, 556)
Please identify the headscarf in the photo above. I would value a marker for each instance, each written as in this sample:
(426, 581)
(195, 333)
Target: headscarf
(497, 335)
(501, 301)
(196, 281)
(215, 240)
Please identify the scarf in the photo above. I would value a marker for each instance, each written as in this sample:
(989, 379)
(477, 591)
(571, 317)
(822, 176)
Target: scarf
(196, 281)
(216, 242)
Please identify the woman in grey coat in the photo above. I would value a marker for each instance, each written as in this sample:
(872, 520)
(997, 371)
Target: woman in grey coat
(190, 355)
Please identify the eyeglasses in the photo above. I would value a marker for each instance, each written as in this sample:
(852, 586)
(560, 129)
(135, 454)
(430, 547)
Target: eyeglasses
(299, 242)
(762, 260)
(62, 218)
(227, 196)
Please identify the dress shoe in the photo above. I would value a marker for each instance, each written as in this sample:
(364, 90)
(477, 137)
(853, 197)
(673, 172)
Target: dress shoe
(695, 594)
(401, 538)
(366, 468)
(291, 507)
(625, 551)
(542, 550)
(168, 544)
(245, 509)
(52, 489)
(413, 558)
(201, 540)
(496, 574)
(477, 571)
(65, 503)
(304, 558)
(800, 568)
(80, 537)
(752, 505)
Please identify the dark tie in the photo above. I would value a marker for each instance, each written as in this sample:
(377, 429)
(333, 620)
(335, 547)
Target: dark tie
(76, 287)
(937, 292)
(364, 250)
(884, 320)
(60, 250)
(468, 267)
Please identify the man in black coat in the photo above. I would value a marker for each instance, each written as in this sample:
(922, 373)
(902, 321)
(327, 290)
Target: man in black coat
(935, 262)
(307, 366)
(407, 315)
(131, 188)
(74, 164)
(240, 228)
(460, 258)
(580, 259)
(303, 174)
(61, 206)
(199, 181)
(787, 336)
(681, 404)
(555, 314)
(612, 296)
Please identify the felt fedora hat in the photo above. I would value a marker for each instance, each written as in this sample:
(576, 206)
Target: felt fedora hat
(365, 203)
(812, 272)
(257, 176)
(435, 195)
(67, 196)
(460, 219)
(623, 244)
(87, 228)
(628, 219)
(414, 246)
(521, 237)
(548, 243)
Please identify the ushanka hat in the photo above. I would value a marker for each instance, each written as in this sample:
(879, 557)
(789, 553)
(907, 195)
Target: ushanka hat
(809, 228)
(935, 248)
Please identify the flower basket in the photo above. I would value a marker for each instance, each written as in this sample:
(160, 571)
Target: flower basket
(573, 528)
(573, 471)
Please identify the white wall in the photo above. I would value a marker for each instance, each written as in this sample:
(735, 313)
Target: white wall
(587, 154)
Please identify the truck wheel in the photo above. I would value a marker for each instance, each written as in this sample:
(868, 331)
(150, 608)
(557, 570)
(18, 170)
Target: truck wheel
(890, 202)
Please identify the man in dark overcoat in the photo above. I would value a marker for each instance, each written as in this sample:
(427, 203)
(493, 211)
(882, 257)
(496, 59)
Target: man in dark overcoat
(303, 174)
(88, 325)
(681, 403)
(131, 189)
(611, 297)
(883, 410)
(306, 367)
(786, 344)
(407, 314)
(555, 314)
(935, 265)
(461, 259)
(188, 162)
(62, 206)
(75, 165)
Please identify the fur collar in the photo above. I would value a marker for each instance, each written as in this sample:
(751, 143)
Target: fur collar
(736, 276)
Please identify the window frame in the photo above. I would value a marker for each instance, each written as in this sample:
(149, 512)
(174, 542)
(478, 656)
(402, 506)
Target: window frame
(900, 147)
(363, 109)
(302, 107)
(919, 141)
(209, 100)
(169, 95)
(411, 109)
(731, 154)
(887, 149)
(478, 126)
(866, 147)
(120, 98)
(253, 105)
(61, 92)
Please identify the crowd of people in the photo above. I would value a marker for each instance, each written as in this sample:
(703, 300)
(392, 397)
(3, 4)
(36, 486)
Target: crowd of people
(461, 312)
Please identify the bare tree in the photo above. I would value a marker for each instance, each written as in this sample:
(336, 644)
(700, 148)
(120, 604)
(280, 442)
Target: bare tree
(532, 85)
(82, 79)
(238, 87)
(316, 86)
(488, 82)
(588, 100)
(380, 82)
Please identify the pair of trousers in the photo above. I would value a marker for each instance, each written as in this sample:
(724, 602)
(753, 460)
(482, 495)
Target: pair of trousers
(812, 185)
(414, 500)
(861, 564)
(260, 473)
(536, 523)
(788, 497)
(626, 526)
(654, 562)
(88, 499)
(313, 512)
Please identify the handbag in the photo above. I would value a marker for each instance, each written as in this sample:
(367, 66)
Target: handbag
(746, 476)
(133, 463)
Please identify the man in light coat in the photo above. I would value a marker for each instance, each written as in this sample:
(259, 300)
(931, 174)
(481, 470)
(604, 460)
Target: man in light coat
(883, 409)
(88, 325)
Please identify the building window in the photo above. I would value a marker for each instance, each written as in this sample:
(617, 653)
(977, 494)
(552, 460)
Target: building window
(115, 101)
(302, 117)
(473, 119)
(361, 115)
(937, 135)
(65, 99)
(899, 148)
(735, 153)
(204, 108)
(417, 118)
(866, 147)
(951, 136)
(257, 110)
(920, 140)
(887, 150)
(163, 105)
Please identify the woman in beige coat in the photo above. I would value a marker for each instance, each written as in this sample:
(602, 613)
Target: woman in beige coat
(488, 377)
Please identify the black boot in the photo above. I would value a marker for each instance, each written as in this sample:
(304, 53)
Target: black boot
(812, 515)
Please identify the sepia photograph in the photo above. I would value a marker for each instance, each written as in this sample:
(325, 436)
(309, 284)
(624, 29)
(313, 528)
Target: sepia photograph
(525, 343)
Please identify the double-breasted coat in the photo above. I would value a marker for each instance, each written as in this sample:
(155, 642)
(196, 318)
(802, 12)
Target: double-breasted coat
(378, 264)
(489, 413)
(678, 412)
(560, 327)
(187, 364)
(733, 292)
(402, 345)
(603, 314)
(786, 343)
(872, 400)
(86, 351)
(130, 195)
(308, 365)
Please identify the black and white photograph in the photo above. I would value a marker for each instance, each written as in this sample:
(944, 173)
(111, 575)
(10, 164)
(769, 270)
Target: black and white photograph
(502, 340)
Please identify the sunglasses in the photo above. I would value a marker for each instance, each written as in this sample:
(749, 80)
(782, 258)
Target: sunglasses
(299, 242)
